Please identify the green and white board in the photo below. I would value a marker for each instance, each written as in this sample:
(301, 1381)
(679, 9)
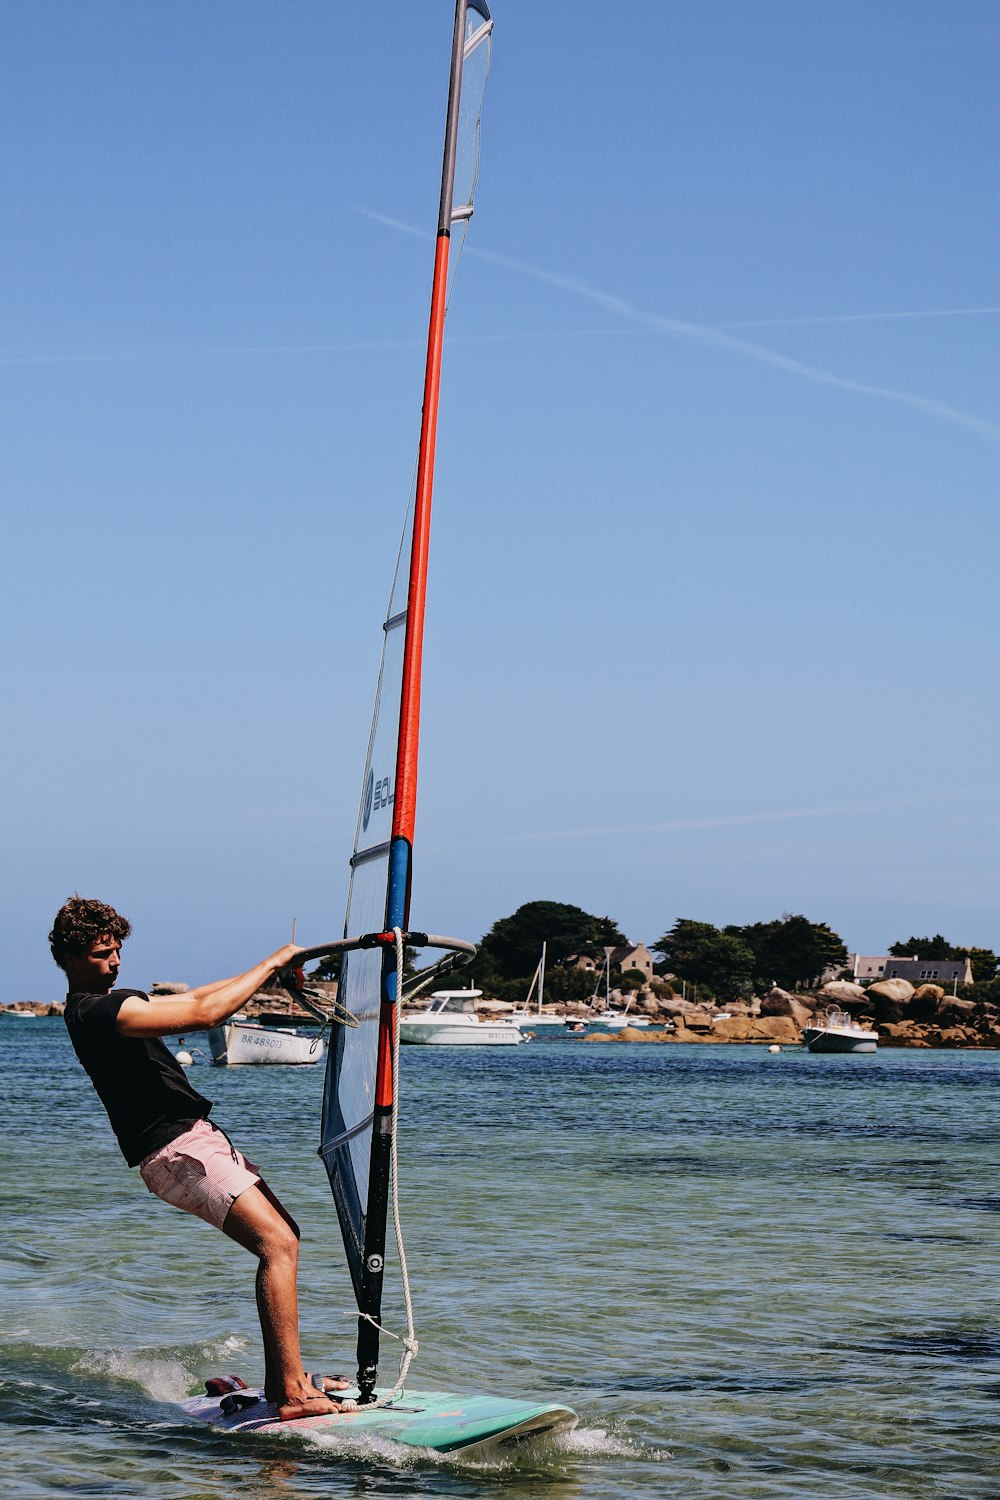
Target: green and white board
(473, 1426)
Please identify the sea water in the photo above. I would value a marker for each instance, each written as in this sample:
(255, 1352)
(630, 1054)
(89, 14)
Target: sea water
(752, 1274)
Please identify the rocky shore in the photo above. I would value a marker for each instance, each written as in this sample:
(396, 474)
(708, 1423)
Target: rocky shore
(903, 1015)
(271, 1006)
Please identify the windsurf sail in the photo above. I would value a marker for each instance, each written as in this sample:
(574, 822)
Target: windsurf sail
(360, 1086)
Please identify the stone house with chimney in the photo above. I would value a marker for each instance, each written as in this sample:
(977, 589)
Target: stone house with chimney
(633, 956)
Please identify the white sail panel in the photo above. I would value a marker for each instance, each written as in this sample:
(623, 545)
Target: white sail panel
(357, 1161)
(349, 1094)
(475, 72)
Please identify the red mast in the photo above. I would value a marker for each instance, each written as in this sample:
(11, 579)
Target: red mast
(405, 790)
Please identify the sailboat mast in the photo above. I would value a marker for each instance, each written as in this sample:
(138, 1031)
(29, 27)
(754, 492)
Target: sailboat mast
(541, 979)
(405, 789)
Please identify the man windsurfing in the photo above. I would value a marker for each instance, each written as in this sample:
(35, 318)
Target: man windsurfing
(162, 1124)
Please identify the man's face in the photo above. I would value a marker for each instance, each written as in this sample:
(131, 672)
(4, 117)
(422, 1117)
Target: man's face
(96, 970)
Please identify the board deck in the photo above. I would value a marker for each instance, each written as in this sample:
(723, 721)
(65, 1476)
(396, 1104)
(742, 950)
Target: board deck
(439, 1420)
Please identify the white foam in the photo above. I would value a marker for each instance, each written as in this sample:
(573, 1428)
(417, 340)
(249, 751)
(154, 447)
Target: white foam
(224, 1351)
(356, 1444)
(360, 1444)
(598, 1442)
(163, 1379)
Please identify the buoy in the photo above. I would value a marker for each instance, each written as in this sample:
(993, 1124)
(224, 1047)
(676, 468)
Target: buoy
(184, 1058)
(774, 1047)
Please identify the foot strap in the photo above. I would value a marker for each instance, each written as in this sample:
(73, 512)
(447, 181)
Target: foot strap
(237, 1402)
(221, 1385)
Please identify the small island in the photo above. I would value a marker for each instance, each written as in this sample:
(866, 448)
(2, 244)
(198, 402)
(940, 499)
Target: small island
(755, 984)
(904, 1015)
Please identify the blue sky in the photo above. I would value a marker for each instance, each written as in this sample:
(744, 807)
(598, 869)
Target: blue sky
(712, 621)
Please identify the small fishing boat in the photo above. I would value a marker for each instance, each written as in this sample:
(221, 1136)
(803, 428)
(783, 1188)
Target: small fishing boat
(450, 1020)
(239, 1042)
(838, 1032)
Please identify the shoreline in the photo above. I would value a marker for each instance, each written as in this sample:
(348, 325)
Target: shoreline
(749, 1030)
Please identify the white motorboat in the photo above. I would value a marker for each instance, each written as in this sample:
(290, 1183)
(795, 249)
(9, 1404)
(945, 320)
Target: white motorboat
(839, 1032)
(239, 1042)
(450, 1020)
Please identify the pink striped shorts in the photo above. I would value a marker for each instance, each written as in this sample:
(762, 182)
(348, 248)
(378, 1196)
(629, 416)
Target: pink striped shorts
(199, 1172)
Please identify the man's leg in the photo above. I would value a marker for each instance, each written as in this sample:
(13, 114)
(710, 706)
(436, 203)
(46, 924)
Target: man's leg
(259, 1223)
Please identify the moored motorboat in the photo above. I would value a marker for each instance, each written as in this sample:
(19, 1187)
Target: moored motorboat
(239, 1042)
(450, 1020)
(839, 1032)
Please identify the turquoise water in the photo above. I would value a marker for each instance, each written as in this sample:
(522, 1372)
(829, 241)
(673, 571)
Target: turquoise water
(752, 1275)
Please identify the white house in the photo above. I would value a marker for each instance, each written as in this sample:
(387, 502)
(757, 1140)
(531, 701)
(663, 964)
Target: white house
(867, 968)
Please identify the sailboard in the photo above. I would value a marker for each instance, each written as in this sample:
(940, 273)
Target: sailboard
(443, 1422)
(358, 1130)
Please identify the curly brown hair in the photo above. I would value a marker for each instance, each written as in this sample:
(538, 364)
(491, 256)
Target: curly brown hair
(80, 922)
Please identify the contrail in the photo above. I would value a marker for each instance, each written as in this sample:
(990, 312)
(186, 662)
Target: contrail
(120, 356)
(730, 820)
(732, 344)
(715, 337)
(872, 317)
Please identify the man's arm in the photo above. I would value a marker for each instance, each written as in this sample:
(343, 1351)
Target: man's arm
(202, 1007)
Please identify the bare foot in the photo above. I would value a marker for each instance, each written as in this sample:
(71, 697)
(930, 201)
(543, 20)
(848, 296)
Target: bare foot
(309, 1389)
(310, 1406)
(328, 1382)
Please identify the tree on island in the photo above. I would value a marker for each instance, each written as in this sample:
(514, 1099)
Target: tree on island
(736, 960)
(791, 952)
(984, 964)
(701, 954)
(510, 951)
(937, 946)
(630, 980)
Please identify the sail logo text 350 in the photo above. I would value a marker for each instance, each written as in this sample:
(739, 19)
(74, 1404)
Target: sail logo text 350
(378, 794)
